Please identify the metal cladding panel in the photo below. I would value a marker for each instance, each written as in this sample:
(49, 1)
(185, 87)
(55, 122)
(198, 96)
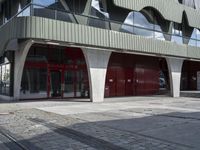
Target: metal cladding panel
(142, 44)
(169, 9)
(48, 29)
(193, 52)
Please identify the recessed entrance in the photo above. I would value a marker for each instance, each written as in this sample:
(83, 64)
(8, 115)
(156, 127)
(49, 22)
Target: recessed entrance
(55, 84)
(133, 75)
(54, 72)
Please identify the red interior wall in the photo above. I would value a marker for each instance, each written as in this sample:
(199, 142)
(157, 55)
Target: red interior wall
(130, 75)
(189, 75)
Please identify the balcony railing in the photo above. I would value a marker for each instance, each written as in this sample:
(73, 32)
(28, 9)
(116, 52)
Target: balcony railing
(62, 15)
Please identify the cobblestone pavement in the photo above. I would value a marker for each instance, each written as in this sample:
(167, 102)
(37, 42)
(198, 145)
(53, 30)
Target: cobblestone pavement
(140, 123)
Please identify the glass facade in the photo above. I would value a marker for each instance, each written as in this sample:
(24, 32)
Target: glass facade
(148, 22)
(6, 75)
(177, 33)
(99, 15)
(54, 72)
(11, 7)
(145, 24)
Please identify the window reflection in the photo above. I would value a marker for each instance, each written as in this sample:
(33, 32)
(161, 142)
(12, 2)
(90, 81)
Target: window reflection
(98, 6)
(5, 74)
(148, 22)
(11, 7)
(198, 38)
(141, 21)
(34, 83)
(177, 33)
(26, 12)
(43, 12)
(137, 23)
(128, 24)
(158, 33)
(100, 14)
(193, 39)
(46, 3)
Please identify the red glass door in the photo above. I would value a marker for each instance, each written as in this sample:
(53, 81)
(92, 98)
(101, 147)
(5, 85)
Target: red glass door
(130, 82)
(110, 87)
(120, 87)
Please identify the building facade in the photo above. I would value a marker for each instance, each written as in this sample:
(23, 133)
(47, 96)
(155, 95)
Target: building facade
(98, 48)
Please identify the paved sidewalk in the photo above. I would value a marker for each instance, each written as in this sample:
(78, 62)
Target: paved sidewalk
(139, 123)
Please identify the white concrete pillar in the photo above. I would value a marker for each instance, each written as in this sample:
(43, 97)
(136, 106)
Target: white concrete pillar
(175, 68)
(97, 62)
(20, 57)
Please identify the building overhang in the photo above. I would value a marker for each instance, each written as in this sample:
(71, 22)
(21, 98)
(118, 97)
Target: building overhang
(54, 31)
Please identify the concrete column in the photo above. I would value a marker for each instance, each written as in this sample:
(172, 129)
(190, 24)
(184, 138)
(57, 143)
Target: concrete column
(97, 62)
(20, 57)
(175, 68)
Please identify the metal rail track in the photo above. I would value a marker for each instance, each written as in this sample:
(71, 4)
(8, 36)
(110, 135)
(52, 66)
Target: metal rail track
(10, 142)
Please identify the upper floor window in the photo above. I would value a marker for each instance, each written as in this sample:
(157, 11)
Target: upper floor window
(98, 10)
(195, 38)
(177, 33)
(10, 8)
(143, 23)
(44, 2)
(97, 7)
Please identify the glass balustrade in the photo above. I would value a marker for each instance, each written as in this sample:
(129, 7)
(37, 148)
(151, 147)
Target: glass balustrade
(135, 28)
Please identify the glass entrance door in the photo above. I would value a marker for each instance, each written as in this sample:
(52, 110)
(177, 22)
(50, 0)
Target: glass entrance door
(55, 84)
(69, 86)
(67, 82)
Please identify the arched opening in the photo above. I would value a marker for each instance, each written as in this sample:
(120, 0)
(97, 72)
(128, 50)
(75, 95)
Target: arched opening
(182, 32)
(187, 30)
(190, 79)
(7, 73)
(54, 72)
(148, 22)
(136, 75)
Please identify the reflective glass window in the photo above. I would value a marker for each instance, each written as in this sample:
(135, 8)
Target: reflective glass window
(5, 79)
(128, 24)
(40, 11)
(193, 39)
(25, 12)
(47, 3)
(100, 14)
(69, 83)
(142, 26)
(34, 83)
(159, 33)
(198, 37)
(177, 33)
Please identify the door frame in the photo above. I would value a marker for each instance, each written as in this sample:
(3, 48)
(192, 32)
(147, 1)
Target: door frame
(51, 68)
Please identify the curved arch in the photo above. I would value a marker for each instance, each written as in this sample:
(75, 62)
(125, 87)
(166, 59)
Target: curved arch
(20, 57)
(161, 24)
(147, 11)
(187, 30)
(171, 10)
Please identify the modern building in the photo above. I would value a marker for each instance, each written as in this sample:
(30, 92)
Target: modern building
(98, 48)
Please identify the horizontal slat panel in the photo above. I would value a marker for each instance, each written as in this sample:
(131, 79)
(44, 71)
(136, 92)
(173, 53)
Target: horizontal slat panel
(42, 28)
(169, 9)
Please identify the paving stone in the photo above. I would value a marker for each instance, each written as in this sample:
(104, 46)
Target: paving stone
(106, 127)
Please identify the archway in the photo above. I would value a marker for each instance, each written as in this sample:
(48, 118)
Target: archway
(54, 72)
(136, 75)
